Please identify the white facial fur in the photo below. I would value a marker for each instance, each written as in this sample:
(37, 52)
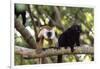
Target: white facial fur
(53, 34)
(44, 31)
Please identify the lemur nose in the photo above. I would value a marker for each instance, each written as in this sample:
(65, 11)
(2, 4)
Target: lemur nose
(49, 34)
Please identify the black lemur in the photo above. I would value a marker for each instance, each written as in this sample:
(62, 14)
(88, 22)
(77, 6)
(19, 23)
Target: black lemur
(69, 38)
(20, 9)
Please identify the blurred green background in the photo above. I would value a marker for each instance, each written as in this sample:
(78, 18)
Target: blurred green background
(64, 17)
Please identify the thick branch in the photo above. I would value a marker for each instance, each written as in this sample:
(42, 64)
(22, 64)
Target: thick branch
(25, 33)
(58, 17)
(52, 52)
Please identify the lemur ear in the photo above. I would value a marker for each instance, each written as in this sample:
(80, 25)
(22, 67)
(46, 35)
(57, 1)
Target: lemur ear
(55, 31)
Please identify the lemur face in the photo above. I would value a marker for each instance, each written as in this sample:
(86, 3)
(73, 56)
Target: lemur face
(47, 33)
(77, 28)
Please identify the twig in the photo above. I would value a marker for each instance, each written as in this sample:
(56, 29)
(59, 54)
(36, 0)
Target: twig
(30, 13)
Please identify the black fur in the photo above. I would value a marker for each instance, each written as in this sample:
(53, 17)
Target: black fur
(22, 13)
(69, 38)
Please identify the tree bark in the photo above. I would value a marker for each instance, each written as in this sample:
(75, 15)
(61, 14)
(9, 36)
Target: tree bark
(25, 33)
(52, 52)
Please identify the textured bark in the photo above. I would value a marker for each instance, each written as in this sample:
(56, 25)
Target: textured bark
(52, 52)
(25, 33)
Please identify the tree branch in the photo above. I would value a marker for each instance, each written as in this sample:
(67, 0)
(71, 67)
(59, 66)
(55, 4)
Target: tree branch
(58, 17)
(52, 52)
(25, 33)
(30, 13)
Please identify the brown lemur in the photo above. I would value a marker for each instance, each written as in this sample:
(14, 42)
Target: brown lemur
(47, 35)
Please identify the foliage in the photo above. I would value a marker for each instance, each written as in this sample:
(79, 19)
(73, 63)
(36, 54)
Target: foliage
(63, 18)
